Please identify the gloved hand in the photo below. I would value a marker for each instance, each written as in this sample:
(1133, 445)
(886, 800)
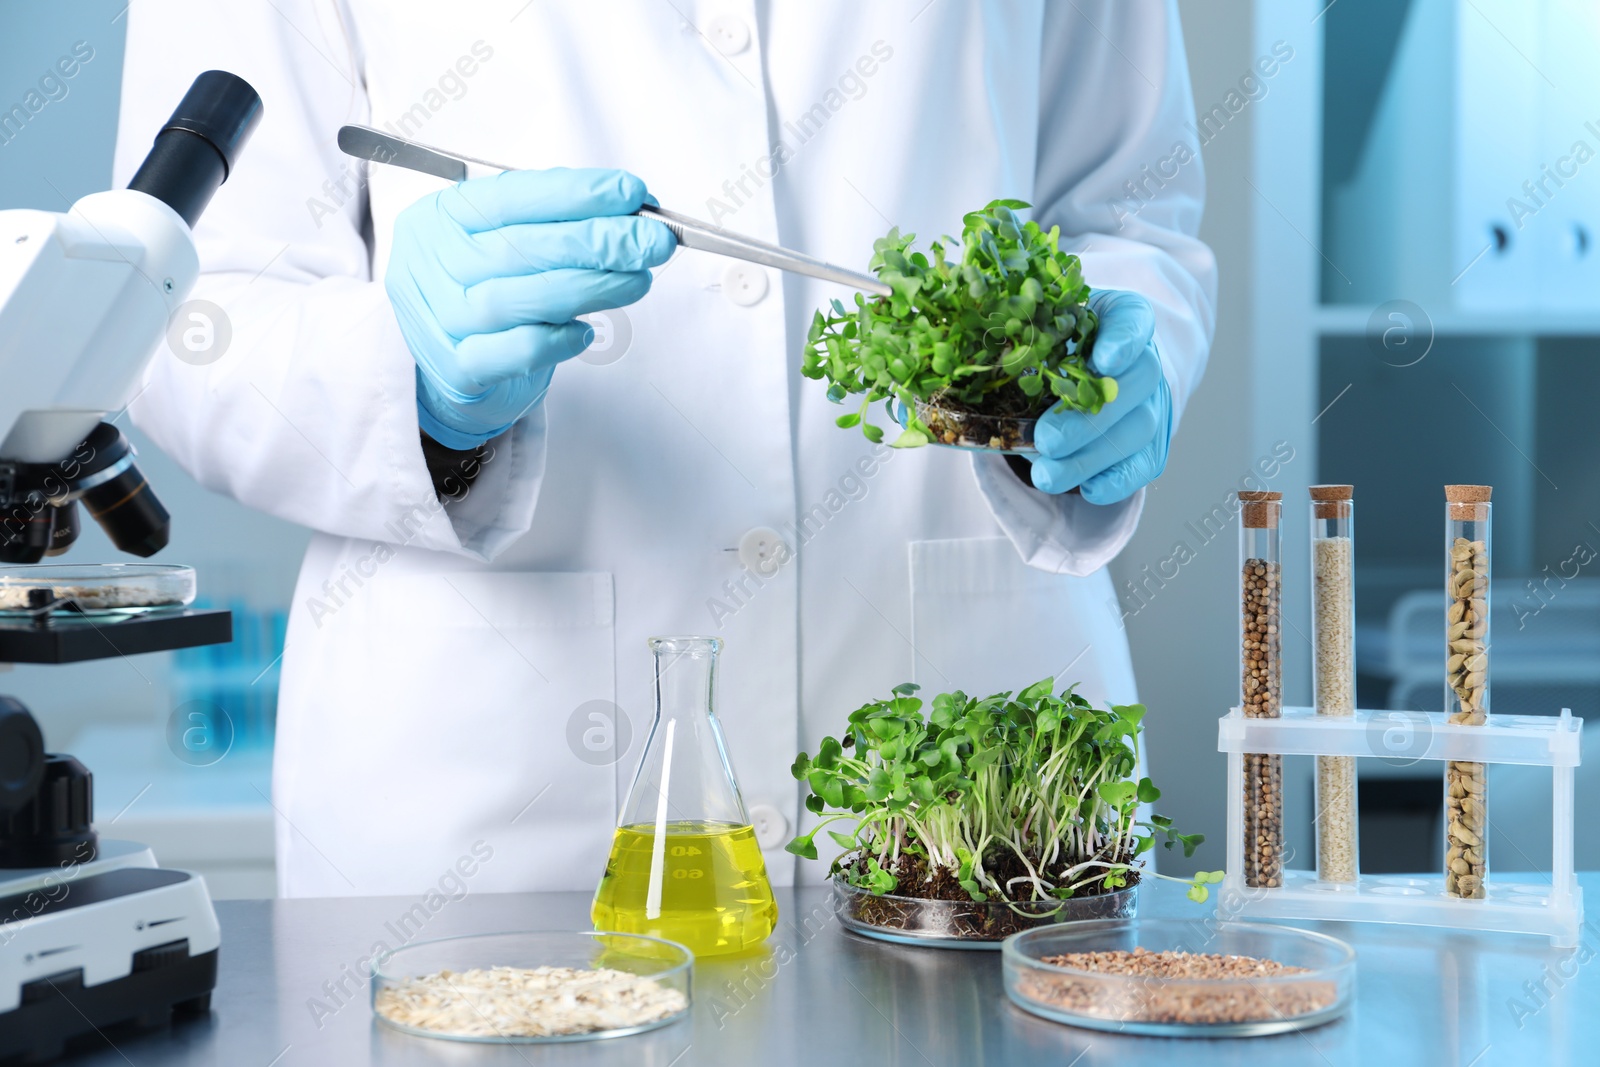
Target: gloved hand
(486, 278)
(1110, 456)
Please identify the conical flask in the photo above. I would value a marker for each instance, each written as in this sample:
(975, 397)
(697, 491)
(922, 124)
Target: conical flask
(685, 864)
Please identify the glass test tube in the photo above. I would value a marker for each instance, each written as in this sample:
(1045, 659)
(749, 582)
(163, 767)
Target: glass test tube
(1333, 650)
(1466, 691)
(1261, 679)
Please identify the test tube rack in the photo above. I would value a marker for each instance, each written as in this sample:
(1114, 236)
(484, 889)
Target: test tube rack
(1554, 910)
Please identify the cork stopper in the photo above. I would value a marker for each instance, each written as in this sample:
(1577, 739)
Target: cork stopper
(1259, 514)
(1331, 501)
(1468, 503)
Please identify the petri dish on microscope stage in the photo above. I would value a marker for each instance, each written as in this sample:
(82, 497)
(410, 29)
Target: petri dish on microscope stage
(94, 589)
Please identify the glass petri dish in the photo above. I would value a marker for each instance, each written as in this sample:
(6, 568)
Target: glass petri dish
(438, 989)
(955, 428)
(966, 923)
(1240, 1005)
(95, 589)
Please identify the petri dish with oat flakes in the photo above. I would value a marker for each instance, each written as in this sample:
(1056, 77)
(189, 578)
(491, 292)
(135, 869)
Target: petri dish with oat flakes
(94, 588)
(1180, 977)
(533, 987)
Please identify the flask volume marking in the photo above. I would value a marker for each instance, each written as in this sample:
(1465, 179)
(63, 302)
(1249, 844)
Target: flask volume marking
(658, 850)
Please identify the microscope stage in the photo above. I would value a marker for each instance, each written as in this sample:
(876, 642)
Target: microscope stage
(69, 638)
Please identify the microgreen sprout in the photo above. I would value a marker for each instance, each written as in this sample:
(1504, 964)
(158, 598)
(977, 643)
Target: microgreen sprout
(1006, 331)
(1037, 783)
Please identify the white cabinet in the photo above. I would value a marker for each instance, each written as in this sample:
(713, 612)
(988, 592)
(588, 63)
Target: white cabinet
(1477, 186)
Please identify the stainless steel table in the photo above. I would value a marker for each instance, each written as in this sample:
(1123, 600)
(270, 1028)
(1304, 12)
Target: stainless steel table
(289, 994)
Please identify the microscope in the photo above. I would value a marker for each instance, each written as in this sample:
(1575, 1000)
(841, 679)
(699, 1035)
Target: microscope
(93, 933)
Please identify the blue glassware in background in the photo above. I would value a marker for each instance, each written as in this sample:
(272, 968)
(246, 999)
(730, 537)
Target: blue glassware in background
(235, 686)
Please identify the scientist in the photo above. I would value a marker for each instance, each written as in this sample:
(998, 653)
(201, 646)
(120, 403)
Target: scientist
(508, 499)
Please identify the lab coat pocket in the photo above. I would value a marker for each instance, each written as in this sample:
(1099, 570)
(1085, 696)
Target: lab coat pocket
(983, 622)
(474, 706)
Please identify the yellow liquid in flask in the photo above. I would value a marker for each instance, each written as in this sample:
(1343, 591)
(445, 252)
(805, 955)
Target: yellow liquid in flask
(706, 889)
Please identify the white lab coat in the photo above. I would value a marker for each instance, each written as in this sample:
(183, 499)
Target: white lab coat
(435, 657)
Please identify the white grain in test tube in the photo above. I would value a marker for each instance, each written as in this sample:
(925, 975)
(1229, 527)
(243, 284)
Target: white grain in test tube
(1333, 572)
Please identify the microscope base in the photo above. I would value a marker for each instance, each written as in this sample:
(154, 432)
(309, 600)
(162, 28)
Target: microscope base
(133, 944)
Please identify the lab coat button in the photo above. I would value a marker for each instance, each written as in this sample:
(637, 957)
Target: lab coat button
(744, 283)
(729, 34)
(762, 551)
(771, 827)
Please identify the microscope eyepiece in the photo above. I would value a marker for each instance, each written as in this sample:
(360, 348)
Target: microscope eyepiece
(195, 151)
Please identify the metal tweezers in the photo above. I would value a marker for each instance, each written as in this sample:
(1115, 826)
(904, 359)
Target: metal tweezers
(364, 142)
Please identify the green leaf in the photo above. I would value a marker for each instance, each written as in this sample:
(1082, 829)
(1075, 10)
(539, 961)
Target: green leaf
(803, 847)
(1190, 842)
(818, 323)
(842, 840)
(1148, 793)
(1087, 395)
(847, 421)
(909, 439)
(873, 433)
(1037, 691)
(1133, 713)
(829, 788)
(877, 879)
(1116, 793)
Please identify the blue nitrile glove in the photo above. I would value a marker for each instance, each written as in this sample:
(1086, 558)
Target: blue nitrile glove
(488, 276)
(1110, 456)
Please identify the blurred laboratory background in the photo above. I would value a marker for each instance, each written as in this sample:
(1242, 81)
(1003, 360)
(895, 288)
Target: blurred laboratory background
(1404, 198)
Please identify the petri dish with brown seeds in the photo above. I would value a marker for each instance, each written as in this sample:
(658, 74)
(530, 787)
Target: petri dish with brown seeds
(1179, 977)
